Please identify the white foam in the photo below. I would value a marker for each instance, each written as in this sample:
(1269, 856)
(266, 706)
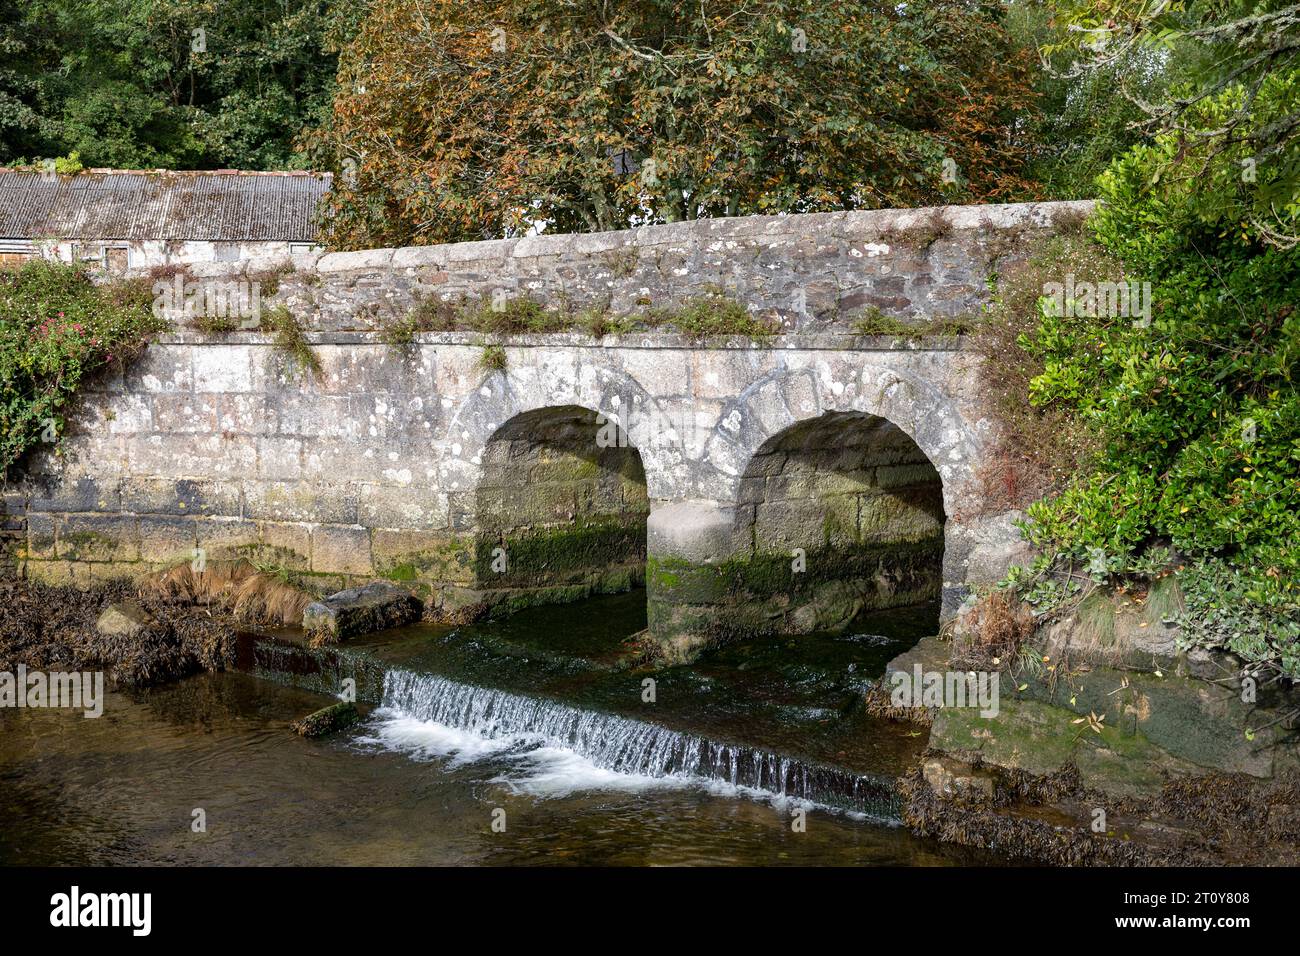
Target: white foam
(548, 772)
(546, 749)
(425, 739)
(551, 772)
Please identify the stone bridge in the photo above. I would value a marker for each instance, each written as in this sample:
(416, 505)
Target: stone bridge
(781, 485)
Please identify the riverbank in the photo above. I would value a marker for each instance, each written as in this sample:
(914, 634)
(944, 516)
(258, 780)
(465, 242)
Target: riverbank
(48, 627)
(1109, 744)
(1033, 783)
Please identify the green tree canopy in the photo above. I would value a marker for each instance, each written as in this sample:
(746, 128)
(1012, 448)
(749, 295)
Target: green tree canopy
(195, 84)
(1235, 106)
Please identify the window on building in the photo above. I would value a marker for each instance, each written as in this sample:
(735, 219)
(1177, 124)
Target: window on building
(15, 252)
(117, 259)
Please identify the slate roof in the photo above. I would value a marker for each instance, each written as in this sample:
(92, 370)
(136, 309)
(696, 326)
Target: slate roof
(221, 205)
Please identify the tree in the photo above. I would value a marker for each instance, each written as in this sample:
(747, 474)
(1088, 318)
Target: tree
(167, 83)
(463, 120)
(1235, 111)
(1084, 120)
(23, 128)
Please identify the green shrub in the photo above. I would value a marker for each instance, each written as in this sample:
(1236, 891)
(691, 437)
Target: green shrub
(57, 329)
(1248, 610)
(1197, 413)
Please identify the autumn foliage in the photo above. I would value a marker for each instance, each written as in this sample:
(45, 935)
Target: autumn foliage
(467, 119)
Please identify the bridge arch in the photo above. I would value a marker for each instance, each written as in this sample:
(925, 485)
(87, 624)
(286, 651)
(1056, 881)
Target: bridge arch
(789, 395)
(836, 515)
(720, 568)
(559, 509)
(559, 379)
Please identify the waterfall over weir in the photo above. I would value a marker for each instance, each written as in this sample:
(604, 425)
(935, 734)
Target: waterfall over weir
(623, 745)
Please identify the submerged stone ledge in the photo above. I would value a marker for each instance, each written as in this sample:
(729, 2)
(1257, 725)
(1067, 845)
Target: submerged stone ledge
(328, 720)
(373, 607)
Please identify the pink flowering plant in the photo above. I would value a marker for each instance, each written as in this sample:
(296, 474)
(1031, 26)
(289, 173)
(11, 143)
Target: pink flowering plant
(58, 329)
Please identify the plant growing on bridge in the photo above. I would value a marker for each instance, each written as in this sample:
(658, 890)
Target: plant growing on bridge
(1038, 447)
(468, 120)
(875, 322)
(57, 330)
(290, 338)
(214, 324)
(493, 359)
(711, 315)
(400, 333)
(517, 316)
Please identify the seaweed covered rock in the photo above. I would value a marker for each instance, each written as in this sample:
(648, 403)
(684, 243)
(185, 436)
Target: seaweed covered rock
(327, 720)
(48, 627)
(123, 619)
(1205, 819)
(374, 607)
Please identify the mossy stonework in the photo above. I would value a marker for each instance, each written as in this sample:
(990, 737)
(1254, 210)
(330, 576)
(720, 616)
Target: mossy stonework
(694, 606)
(1102, 716)
(561, 508)
(419, 465)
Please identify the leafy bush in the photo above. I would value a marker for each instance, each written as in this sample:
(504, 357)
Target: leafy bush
(1234, 606)
(1197, 412)
(57, 329)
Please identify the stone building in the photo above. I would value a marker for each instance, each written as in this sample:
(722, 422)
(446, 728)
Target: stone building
(124, 219)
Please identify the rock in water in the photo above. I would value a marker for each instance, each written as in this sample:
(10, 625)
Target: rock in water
(361, 610)
(123, 619)
(327, 720)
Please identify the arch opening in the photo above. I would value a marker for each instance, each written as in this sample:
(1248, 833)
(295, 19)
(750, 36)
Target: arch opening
(560, 510)
(837, 515)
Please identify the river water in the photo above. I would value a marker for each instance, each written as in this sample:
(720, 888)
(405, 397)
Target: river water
(517, 742)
